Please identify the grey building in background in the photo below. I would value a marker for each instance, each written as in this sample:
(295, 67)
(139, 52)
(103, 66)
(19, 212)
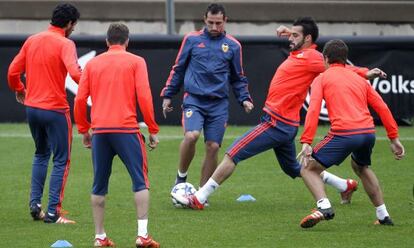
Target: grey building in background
(260, 17)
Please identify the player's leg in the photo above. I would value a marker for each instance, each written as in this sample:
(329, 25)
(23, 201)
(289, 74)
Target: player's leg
(251, 143)
(192, 123)
(311, 177)
(346, 187)
(286, 156)
(131, 150)
(210, 161)
(59, 131)
(287, 160)
(285, 149)
(142, 205)
(40, 161)
(214, 127)
(332, 150)
(361, 160)
(102, 157)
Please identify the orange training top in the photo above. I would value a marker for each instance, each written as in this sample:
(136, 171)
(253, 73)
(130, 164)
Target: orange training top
(347, 97)
(46, 58)
(289, 86)
(115, 80)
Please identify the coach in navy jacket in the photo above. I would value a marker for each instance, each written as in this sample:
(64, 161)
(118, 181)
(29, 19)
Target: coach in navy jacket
(208, 62)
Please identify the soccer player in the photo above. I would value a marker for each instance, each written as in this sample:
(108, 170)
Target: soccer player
(280, 122)
(207, 62)
(46, 58)
(352, 131)
(115, 81)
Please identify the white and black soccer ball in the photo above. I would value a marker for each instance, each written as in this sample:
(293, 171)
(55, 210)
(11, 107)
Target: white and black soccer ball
(181, 190)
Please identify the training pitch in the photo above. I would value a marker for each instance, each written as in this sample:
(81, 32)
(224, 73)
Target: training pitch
(271, 221)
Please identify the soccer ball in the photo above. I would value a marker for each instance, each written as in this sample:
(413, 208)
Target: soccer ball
(182, 189)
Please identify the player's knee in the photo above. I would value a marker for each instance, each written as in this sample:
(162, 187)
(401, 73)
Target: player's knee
(357, 168)
(312, 167)
(292, 170)
(294, 174)
(191, 136)
(212, 147)
(98, 200)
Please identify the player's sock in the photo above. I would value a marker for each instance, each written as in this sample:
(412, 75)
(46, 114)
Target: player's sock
(182, 174)
(206, 190)
(323, 203)
(181, 177)
(382, 212)
(142, 228)
(100, 236)
(335, 181)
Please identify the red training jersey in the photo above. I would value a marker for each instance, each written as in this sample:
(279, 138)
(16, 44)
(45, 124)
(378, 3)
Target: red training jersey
(347, 97)
(289, 86)
(115, 80)
(46, 58)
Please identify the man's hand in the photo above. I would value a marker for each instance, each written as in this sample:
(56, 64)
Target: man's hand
(376, 72)
(305, 154)
(20, 96)
(87, 140)
(248, 106)
(153, 141)
(283, 31)
(166, 107)
(397, 149)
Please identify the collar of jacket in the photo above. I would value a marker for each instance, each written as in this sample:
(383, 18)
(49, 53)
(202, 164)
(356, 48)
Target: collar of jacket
(313, 46)
(205, 31)
(113, 48)
(57, 30)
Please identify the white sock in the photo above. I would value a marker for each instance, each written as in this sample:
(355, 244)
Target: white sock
(323, 203)
(182, 174)
(208, 188)
(338, 183)
(142, 228)
(100, 236)
(382, 212)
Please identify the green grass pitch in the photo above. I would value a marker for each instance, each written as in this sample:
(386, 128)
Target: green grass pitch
(271, 221)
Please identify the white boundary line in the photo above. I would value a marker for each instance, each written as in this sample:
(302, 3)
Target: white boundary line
(179, 137)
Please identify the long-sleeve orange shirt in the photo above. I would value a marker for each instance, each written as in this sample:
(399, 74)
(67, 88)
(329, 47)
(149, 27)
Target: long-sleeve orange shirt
(115, 80)
(347, 98)
(46, 58)
(289, 86)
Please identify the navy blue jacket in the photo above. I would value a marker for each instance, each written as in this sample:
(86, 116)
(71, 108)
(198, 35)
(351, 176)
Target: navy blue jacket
(207, 65)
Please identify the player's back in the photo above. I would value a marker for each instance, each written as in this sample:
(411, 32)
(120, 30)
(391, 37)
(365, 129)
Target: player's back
(112, 77)
(346, 96)
(45, 69)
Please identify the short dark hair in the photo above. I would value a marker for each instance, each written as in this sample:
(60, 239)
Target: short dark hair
(63, 14)
(336, 51)
(214, 9)
(117, 33)
(309, 27)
